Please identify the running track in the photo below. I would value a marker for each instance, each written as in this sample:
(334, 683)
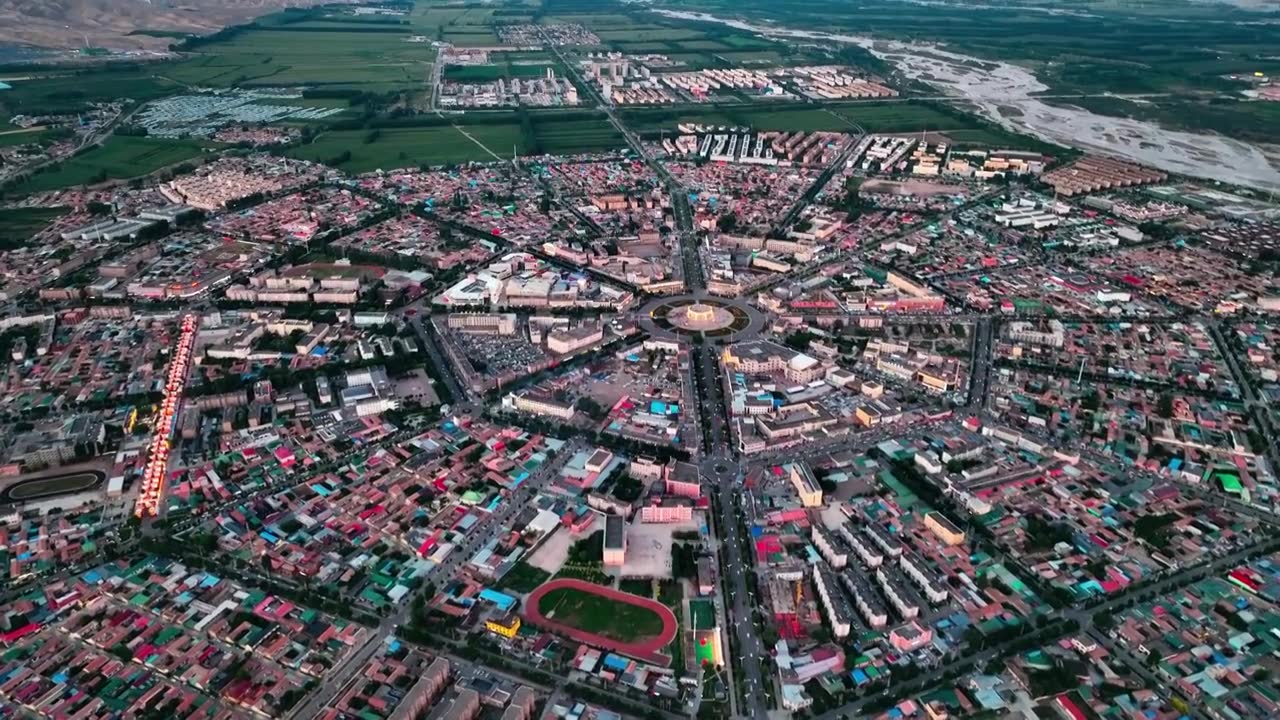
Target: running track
(649, 650)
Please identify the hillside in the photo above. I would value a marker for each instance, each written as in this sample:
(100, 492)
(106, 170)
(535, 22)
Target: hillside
(123, 24)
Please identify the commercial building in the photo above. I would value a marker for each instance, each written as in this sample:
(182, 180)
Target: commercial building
(758, 357)
(538, 405)
(706, 576)
(566, 340)
(1051, 333)
(910, 637)
(646, 469)
(483, 323)
(682, 479)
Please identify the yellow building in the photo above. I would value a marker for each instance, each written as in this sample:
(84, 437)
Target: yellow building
(946, 531)
(507, 626)
(806, 485)
(936, 381)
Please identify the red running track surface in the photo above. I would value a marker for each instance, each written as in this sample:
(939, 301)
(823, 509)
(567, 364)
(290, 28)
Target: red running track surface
(649, 650)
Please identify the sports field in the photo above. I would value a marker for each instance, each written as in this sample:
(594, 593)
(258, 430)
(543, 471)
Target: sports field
(51, 486)
(604, 618)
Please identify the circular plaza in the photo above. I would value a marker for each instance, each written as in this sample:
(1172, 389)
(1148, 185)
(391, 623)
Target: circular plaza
(719, 319)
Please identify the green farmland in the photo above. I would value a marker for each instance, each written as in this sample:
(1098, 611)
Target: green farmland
(9, 138)
(17, 225)
(74, 92)
(411, 147)
(119, 158)
(489, 73)
(375, 62)
(576, 136)
(874, 117)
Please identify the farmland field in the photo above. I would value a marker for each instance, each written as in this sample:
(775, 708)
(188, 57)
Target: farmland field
(17, 225)
(1185, 49)
(701, 45)
(489, 73)
(426, 17)
(9, 138)
(119, 158)
(411, 147)
(375, 61)
(874, 117)
(594, 21)
(471, 39)
(649, 33)
(74, 92)
(576, 136)
(752, 56)
(746, 41)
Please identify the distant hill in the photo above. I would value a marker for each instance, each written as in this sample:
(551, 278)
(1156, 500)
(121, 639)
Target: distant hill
(124, 24)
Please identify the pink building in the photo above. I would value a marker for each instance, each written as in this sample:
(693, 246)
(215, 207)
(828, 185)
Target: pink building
(910, 637)
(683, 480)
(667, 510)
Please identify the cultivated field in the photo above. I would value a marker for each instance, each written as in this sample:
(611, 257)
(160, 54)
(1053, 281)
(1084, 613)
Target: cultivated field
(17, 225)
(411, 147)
(119, 158)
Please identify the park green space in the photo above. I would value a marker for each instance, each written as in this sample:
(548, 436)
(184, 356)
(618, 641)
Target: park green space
(524, 578)
(600, 615)
(17, 225)
(118, 158)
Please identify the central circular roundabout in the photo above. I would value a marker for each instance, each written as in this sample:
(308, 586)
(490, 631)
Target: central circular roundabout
(710, 318)
(700, 317)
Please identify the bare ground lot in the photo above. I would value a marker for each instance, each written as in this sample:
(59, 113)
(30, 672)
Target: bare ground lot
(649, 547)
(554, 551)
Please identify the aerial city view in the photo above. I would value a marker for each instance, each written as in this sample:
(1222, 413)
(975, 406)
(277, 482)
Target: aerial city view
(640, 359)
